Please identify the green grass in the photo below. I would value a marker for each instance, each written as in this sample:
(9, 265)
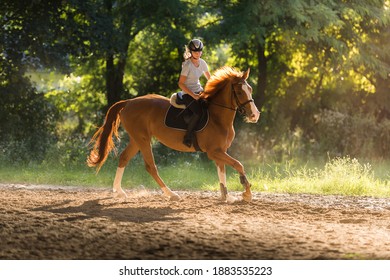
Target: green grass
(180, 174)
(343, 176)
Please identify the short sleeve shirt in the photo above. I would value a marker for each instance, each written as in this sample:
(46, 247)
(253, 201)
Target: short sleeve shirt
(193, 74)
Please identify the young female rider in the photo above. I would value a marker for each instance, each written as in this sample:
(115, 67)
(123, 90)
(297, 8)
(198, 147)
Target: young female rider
(193, 67)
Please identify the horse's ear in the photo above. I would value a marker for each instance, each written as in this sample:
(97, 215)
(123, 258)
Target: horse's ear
(246, 74)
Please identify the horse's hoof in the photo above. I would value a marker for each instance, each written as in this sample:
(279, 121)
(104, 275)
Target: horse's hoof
(120, 194)
(247, 196)
(174, 197)
(231, 199)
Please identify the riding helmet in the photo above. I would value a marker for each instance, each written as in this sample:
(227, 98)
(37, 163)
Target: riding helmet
(195, 45)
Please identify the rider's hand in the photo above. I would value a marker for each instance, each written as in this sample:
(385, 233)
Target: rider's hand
(196, 96)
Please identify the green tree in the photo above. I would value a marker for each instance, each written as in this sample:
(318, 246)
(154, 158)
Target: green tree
(156, 53)
(272, 31)
(27, 119)
(112, 27)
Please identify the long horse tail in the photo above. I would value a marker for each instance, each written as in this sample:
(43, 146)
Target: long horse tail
(102, 139)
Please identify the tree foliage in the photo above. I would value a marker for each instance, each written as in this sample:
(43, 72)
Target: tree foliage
(316, 66)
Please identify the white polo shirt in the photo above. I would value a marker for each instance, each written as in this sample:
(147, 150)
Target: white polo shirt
(193, 74)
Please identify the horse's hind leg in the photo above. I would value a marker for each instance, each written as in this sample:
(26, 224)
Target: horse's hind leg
(128, 153)
(150, 166)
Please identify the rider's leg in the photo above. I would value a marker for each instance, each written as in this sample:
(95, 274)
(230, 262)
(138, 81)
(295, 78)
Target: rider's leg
(196, 109)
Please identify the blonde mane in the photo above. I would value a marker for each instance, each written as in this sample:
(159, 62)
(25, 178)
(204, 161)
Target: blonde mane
(219, 79)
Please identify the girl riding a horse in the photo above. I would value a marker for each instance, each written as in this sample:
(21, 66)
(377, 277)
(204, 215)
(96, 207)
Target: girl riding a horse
(192, 69)
(227, 92)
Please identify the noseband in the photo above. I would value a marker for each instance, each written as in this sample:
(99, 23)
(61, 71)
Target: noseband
(240, 108)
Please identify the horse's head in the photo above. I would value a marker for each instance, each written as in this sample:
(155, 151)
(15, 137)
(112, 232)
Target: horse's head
(245, 104)
(237, 92)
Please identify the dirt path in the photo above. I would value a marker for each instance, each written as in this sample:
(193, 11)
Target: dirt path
(43, 222)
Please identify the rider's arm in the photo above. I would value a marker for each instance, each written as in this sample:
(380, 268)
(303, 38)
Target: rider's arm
(184, 88)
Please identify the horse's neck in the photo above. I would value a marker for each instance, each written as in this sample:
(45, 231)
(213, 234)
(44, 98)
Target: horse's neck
(222, 110)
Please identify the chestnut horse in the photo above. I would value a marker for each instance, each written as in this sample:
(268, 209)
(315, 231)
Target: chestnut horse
(226, 92)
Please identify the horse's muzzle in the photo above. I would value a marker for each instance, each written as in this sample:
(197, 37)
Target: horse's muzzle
(254, 117)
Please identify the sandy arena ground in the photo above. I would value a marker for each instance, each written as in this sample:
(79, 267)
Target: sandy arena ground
(48, 222)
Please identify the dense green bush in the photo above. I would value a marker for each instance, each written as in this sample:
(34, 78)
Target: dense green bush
(27, 122)
(326, 134)
(356, 135)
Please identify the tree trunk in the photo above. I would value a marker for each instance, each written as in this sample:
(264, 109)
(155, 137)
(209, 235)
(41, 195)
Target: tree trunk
(260, 96)
(114, 80)
(115, 68)
(382, 98)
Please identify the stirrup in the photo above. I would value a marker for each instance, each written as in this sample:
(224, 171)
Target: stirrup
(187, 141)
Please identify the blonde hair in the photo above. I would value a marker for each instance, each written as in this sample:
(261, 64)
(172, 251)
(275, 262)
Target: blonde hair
(187, 53)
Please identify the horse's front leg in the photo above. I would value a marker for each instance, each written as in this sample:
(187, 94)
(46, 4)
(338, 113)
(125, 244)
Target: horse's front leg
(222, 183)
(222, 158)
(247, 194)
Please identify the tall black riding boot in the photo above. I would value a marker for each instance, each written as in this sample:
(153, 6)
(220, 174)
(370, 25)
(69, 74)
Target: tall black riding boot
(190, 130)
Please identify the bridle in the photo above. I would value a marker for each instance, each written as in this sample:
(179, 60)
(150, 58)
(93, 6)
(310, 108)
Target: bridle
(240, 106)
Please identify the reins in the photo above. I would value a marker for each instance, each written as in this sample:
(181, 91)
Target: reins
(240, 106)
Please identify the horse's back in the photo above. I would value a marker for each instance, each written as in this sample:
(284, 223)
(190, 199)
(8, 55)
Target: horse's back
(151, 96)
(142, 110)
(146, 104)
